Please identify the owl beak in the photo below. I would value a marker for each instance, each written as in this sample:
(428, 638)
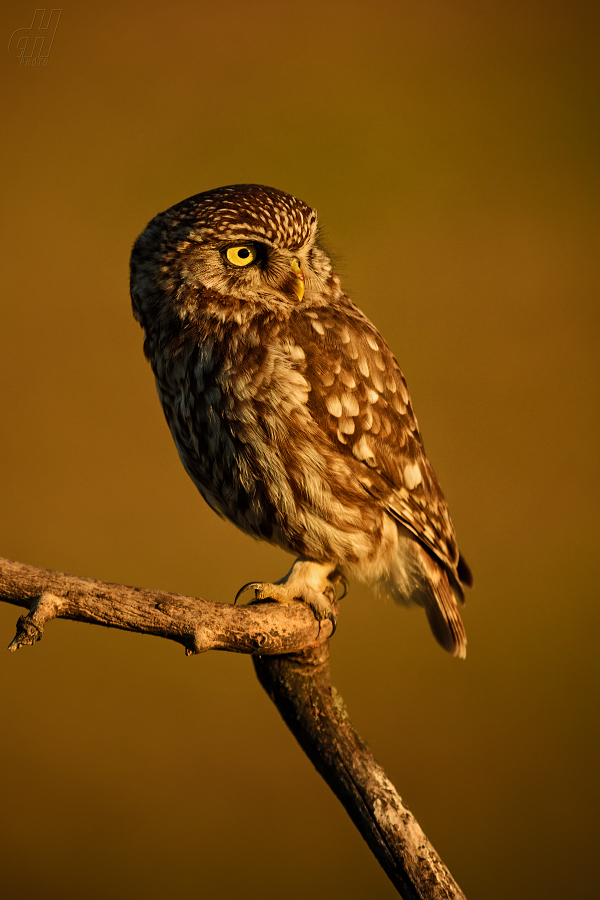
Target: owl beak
(298, 285)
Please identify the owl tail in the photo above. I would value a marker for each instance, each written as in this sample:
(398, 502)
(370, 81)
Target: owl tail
(442, 614)
(430, 586)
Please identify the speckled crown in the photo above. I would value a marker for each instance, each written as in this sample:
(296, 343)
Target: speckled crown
(246, 211)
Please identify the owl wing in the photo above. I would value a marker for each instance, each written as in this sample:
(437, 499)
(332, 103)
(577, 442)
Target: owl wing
(360, 400)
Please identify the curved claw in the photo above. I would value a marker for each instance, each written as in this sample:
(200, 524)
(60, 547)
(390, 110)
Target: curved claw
(346, 586)
(333, 621)
(252, 585)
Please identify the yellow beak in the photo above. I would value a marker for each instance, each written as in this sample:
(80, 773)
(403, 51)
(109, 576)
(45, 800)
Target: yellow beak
(298, 286)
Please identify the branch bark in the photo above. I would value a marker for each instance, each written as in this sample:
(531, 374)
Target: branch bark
(291, 657)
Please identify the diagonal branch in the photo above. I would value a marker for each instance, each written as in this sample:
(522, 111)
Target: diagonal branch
(300, 687)
(291, 657)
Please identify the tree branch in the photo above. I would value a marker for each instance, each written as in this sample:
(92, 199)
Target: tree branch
(199, 625)
(291, 658)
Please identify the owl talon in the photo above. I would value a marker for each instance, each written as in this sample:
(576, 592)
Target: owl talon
(265, 591)
(251, 585)
(318, 601)
(338, 578)
(333, 621)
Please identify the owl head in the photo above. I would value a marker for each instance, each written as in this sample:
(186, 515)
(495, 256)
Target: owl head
(227, 252)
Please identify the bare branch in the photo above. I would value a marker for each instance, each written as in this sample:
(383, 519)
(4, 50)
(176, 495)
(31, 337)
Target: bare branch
(315, 713)
(291, 657)
(199, 625)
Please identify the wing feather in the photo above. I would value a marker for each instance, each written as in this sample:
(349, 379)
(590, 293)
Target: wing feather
(360, 399)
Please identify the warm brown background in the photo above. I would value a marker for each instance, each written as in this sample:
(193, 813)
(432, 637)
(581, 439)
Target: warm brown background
(450, 148)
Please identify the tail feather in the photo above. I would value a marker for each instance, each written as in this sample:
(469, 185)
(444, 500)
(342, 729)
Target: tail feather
(444, 619)
(463, 571)
(441, 608)
(416, 576)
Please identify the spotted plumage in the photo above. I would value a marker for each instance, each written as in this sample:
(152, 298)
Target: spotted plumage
(288, 409)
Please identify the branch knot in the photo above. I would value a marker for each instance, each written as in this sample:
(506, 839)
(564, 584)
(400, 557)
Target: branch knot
(30, 628)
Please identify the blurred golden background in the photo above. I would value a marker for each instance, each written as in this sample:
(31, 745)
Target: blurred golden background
(451, 151)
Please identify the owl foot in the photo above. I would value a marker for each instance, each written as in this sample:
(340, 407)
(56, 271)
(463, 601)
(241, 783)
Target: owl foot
(316, 600)
(313, 583)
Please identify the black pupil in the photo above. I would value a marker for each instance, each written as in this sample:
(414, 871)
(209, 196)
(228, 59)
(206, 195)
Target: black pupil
(244, 253)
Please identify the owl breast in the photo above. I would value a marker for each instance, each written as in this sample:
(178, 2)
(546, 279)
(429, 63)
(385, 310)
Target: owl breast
(206, 402)
(237, 405)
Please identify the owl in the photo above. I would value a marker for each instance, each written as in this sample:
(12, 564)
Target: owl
(288, 409)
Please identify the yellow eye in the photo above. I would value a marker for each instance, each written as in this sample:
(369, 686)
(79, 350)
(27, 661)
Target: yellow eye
(243, 255)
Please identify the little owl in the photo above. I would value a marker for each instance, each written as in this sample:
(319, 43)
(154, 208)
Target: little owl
(288, 409)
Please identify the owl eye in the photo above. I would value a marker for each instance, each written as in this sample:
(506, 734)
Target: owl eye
(244, 255)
